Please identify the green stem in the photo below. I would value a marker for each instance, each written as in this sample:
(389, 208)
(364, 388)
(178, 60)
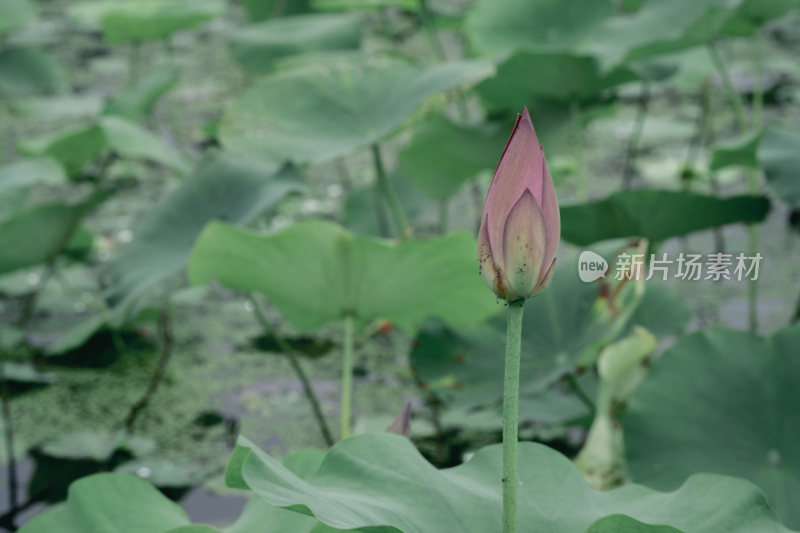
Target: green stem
(135, 60)
(580, 393)
(347, 377)
(636, 136)
(430, 30)
(511, 415)
(752, 178)
(443, 208)
(730, 89)
(389, 193)
(752, 174)
(287, 349)
(167, 342)
(9, 439)
(575, 111)
(758, 87)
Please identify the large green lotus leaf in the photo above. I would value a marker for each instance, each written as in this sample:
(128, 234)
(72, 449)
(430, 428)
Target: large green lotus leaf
(380, 482)
(360, 215)
(753, 14)
(94, 445)
(26, 173)
(626, 524)
(348, 5)
(259, 46)
(73, 148)
(129, 139)
(652, 214)
(123, 503)
(194, 529)
(135, 101)
(526, 76)
(111, 503)
(63, 106)
(316, 272)
(737, 152)
(147, 20)
(658, 27)
(562, 326)
(26, 71)
(547, 25)
(223, 187)
(779, 156)
(264, 9)
(721, 401)
(35, 235)
(442, 155)
(662, 312)
(593, 28)
(260, 517)
(15, 14)
(321, 112)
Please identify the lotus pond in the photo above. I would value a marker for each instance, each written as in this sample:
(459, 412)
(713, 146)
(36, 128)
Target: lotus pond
(416, 266)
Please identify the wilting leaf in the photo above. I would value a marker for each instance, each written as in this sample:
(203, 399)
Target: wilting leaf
(717, 402)
(321, 112)
(652, 214)
(315, 272)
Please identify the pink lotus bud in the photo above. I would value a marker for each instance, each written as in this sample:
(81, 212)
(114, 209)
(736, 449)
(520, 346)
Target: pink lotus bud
(521, 225)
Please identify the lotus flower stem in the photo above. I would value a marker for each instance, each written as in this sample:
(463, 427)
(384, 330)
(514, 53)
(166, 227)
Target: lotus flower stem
(388, 193)
(287, 349)
(517, 245)
(511, 415)
(347, 377)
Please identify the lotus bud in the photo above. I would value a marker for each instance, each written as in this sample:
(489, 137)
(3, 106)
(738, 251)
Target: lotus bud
(521, 225)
